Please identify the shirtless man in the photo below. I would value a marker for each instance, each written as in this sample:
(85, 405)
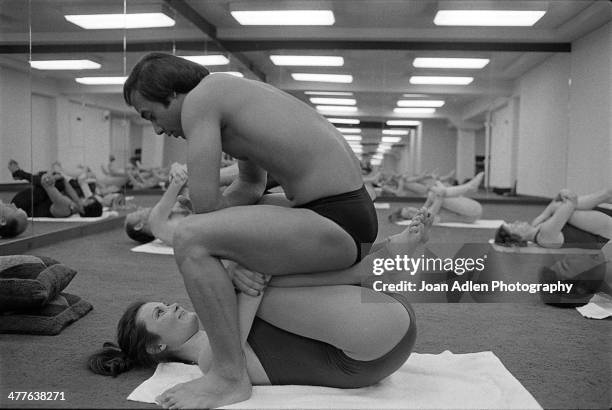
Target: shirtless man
(330, 224)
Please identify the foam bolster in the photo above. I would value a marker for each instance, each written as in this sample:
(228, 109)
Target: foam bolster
(28, 282)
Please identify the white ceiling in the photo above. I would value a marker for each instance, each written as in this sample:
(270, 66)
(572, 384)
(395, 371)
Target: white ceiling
(377, 38)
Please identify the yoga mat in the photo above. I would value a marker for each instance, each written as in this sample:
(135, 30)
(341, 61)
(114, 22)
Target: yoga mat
(442, 381)
(77, 218)
(479, 224)
(599, 307)
(156, 247)
(532, 248)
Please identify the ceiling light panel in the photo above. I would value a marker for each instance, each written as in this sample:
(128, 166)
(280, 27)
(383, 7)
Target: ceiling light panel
(500, 18)
(326, 78)
(337, 93)
(64, 65)
(119, 21)
(349, 130)
(353, 121)
(403, 123)
(441, 80)
(333, 101)
(211, 59)
(463, 63)
(395, 132)
(315, 61)
(101, 80)
(411, 110)
(284, 17)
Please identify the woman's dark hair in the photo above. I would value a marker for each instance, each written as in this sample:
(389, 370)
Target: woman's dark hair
(131, 348)
(137, 234)
(506, 238)
(158, 75)
(93, 209)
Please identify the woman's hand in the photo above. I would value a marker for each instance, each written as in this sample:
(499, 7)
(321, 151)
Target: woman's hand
(47, 180)
(247, 281)
(568, 196)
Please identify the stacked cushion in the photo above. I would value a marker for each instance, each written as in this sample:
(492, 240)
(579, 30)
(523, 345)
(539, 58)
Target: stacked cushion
(30, 295)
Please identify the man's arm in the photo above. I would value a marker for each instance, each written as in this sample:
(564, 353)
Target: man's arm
(248, 187)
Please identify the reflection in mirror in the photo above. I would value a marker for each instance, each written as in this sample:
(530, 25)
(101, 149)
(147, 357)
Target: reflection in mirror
(16, 147)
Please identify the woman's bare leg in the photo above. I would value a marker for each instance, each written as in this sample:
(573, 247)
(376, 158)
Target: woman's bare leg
(590, 201)
(595, 222)
(471, 186)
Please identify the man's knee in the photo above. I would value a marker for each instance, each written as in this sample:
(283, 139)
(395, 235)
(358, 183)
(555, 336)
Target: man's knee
(189, 242)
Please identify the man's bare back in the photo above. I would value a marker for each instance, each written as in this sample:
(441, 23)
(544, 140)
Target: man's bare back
(275, 131)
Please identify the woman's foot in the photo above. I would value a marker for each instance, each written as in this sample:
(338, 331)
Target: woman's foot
(475, 182)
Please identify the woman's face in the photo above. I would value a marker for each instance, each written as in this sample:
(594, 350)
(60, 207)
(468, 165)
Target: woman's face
(520, 228)
(172, 323)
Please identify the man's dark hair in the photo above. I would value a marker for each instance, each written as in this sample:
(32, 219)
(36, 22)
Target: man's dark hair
(158, 75)
(93, 209)
(10, 228)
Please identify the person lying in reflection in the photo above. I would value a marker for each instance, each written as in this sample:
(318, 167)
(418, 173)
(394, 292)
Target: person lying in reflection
(51, 195)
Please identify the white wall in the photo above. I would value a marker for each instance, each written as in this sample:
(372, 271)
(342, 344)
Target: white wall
(543, 128)
(438, 146)
(175, 150)
(152, 147)
(44, 136)
(15, 120)
(589, 162)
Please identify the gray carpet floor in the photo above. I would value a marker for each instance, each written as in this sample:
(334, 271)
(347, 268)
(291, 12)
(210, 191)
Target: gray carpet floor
(561, 358)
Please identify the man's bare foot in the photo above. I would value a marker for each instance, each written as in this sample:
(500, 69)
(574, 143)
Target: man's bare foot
(416, 233)
(208, 392)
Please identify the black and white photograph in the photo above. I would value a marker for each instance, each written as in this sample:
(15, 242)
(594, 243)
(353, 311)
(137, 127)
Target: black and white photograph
(306, 204)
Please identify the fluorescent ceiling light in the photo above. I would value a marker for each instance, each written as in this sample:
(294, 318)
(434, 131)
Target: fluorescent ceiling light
(412, 110)
(395, 132)
(352, 137)
(339, 108)
(234, 73)
(375, 161)
(450, 62)
(441, 80)
(338, 93)
(333, 101)
(378, 156)
(284, 17)
(101, 80)
(327, 78)
(116, 21)
(391, 140)
(487, 17)
(405, 123)
(349, 130)
(64, 65)
(344, 121)
(212, 59)
(420, 103)
(323, 61)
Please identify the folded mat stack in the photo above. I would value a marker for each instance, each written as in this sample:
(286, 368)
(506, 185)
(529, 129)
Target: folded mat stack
(31, 298)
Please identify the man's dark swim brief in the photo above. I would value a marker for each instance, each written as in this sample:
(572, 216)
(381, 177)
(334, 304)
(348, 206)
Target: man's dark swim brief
(354, 212)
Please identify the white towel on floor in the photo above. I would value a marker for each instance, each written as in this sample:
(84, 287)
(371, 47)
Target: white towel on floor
(382, 205)
(599, 307)
(78, 218)
(479, 224)
(442, 381)
(156, 246)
